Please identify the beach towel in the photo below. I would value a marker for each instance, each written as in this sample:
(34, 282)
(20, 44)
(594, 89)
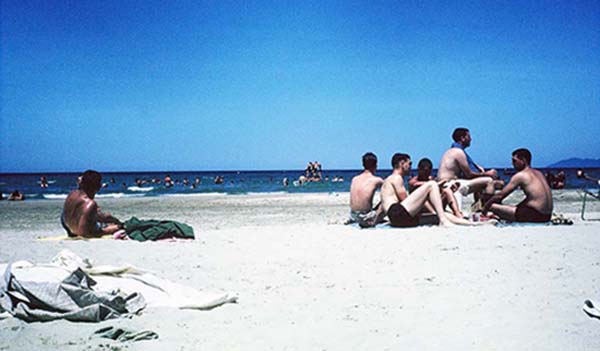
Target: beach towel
(77, 289)
(66, 237)
(142, 230)
(33, 296)
(503, 223)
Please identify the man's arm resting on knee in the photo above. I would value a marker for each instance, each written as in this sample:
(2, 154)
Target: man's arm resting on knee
(468, 173)
(105, 217)
(88, 221)
(514, 183)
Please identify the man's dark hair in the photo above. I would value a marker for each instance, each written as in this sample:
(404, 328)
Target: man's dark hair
(398, 157)
(459, 133)
(523, 154)
(91, 180)
(369, 160)
(425, 163)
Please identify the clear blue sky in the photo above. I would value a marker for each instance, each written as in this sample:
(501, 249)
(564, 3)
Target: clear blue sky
(220, 85)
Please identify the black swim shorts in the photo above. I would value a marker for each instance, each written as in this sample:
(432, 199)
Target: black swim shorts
(97, 228)
(64, 225)
(399, 217)
(526, 213)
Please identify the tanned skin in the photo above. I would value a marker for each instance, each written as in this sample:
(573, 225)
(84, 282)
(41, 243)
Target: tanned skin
(362, 190)
(537, 192)
(454, 164)
(81, 213)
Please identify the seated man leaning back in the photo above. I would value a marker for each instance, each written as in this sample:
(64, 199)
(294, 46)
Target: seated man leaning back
(81, 215)
(403, 209)
(362, 190)
(537, 205)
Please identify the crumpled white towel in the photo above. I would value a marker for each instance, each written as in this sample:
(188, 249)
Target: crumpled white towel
(157, 292)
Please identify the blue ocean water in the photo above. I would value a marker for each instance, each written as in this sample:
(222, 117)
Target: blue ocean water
(123, 184)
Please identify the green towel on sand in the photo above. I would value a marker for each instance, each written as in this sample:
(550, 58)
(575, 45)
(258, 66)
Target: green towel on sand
(142, 230)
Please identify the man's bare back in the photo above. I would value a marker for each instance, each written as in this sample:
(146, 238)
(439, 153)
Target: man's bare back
(81, 215)
(537, 192)
(362, 190)
(450, 164)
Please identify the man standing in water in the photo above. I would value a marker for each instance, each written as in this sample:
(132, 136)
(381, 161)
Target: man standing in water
(81, 215)
(362, 190)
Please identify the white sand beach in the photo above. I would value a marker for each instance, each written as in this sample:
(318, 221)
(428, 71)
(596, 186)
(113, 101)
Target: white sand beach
(307, 282)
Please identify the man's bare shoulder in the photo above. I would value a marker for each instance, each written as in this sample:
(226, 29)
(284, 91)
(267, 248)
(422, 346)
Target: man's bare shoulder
(454, 153)
(377, 179)
(537, 172)
(532, 175)
(394, 179)
(522, 177)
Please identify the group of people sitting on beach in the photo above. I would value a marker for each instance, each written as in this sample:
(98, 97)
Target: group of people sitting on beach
(458, 175)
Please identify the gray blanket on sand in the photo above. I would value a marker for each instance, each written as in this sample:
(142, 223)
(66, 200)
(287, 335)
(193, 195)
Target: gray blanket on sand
(73, 299)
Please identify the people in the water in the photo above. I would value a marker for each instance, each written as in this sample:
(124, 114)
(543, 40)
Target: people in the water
(16, 195)
(168, 182)
(556, 181)
(313, 172)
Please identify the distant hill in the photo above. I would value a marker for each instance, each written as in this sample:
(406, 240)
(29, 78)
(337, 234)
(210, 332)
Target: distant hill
(575, 162)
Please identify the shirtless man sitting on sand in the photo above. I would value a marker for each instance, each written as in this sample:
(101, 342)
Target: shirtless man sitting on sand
(404, 209)
(456, 164)
(81, 215)
(537, 205)
(363, 189)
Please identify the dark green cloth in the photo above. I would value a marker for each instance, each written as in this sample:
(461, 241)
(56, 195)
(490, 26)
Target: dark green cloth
(142, 230)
